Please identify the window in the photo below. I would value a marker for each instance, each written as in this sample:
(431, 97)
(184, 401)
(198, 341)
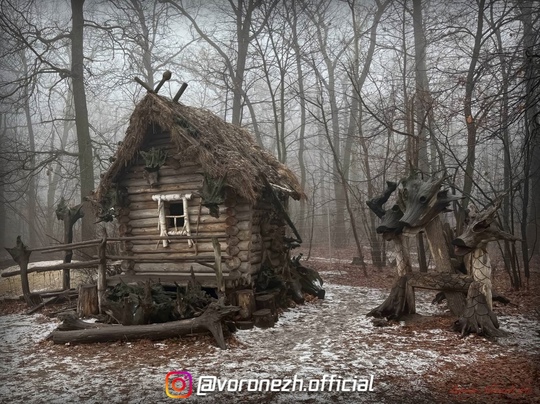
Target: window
(173, 218)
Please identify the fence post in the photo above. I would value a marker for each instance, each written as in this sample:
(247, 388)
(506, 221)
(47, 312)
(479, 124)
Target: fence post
(102, 271)
(21, 256)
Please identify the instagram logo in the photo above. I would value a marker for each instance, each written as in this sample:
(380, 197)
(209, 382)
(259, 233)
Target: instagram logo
(178, 384)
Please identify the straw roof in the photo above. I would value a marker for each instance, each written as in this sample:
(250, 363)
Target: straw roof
(199, 135)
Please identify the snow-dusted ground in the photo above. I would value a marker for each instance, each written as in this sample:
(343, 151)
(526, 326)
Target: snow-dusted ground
(330, 337)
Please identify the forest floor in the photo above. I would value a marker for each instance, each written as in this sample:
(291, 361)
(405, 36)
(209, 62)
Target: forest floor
(418, 361)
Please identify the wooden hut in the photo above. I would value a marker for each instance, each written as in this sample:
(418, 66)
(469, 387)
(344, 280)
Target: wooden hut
(184, 171)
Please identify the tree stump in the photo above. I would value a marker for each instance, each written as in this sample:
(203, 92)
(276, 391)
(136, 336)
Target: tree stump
(267, 301)
(246, 301)
(264, 318)
(87, 304)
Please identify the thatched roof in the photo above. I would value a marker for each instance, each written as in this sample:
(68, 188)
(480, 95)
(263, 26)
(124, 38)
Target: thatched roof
(199, 135)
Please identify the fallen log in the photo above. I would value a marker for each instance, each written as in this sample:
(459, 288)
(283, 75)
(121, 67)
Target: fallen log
(210, 320)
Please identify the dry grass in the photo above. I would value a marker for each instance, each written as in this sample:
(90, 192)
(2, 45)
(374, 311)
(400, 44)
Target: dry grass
(39, 282)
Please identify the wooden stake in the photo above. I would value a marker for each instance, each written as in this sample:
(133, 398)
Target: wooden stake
(217, 266)
(180, 92)
(102, 272)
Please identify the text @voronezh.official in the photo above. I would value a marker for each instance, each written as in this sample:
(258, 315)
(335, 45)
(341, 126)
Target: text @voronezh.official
(180, 384)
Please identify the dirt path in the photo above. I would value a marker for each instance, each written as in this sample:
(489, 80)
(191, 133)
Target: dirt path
(330, 337)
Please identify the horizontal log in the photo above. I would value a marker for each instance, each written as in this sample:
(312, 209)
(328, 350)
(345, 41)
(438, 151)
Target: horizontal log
(162, 180)
(233, 250)
(180, 268)
(231, 221)
(244, 235)
(233, 240)
(70, 265)
(145, 194)
(151, 225)
(175, 248)
(210, 321)
(157, 258)
(245, 256)
(233, 263)
(171, 238)
(150, 232)
(63, 247)
(165, 171)
(151, 204)
(255, 257)
(198, 270)
(232, 230)
(152, 213)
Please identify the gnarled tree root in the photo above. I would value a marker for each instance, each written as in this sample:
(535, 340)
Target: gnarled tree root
(401, 300)
(478, 317)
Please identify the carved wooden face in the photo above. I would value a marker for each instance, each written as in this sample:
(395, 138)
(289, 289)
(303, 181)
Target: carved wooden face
(151, 176)
(481, 228)
(422, 201)
(390, 223)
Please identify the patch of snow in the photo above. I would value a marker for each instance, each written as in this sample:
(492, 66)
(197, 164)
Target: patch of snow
(327, 337)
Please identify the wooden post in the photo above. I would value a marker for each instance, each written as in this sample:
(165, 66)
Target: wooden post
(70, 217)
(102, 272)
(217, 265)
(21, 255)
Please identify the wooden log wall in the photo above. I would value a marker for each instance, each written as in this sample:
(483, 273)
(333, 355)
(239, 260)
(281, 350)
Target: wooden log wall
(238, 219)
(140, 218)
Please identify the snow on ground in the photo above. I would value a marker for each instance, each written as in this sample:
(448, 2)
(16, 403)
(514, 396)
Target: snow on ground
(329, 337)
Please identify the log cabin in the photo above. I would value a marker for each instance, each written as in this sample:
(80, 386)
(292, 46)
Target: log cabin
(182, 170)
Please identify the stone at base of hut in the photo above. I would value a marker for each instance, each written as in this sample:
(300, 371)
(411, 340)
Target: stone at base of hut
(264, 318)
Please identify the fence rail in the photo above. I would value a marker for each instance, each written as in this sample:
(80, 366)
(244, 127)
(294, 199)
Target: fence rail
(21, 255)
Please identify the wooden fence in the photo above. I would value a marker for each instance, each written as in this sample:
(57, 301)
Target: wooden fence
(21, 255)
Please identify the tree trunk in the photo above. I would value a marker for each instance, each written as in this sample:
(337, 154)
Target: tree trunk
(32, 192)
(467, 110)
(422, 91)
(86, 165)
(439, 247)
